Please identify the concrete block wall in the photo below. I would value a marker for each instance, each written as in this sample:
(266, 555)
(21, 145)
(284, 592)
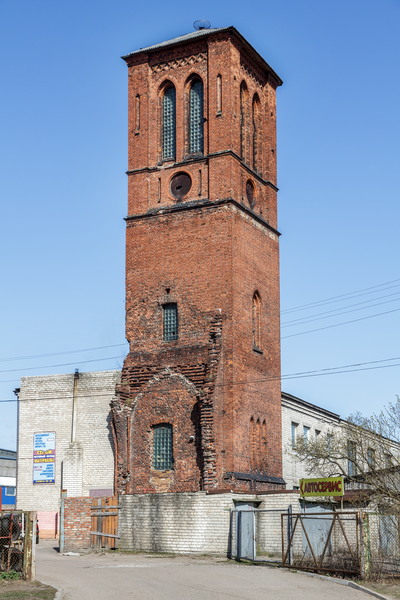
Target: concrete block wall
(195, 522)
(45, 404)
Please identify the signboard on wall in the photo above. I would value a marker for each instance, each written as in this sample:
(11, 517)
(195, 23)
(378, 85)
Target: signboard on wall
(44, 457)
(321, 486)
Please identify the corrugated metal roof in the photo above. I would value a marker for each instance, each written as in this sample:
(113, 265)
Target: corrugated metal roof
(178, 40)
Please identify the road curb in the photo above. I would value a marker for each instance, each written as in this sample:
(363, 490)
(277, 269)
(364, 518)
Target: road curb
(59, 593)
(346, 582)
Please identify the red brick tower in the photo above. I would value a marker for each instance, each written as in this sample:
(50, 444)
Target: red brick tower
(199, 405)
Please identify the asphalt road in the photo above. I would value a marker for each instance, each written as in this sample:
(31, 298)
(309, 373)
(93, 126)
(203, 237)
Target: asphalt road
(153, 577)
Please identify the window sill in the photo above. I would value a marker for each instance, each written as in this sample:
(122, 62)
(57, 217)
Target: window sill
(257, 350)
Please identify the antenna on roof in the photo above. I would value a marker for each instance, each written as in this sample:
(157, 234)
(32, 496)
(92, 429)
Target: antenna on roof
(202, 24)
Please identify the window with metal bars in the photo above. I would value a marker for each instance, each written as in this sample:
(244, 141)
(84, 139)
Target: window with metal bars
(162, 447)
(196, 117)
(170, 318)
(169, 123)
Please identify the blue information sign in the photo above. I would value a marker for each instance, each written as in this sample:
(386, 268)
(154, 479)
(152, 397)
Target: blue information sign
(44, 457)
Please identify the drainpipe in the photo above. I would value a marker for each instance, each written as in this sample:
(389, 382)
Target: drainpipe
(73, 431)
(17, 392)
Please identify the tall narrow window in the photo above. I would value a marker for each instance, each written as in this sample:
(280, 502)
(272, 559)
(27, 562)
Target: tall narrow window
(219, 94)
(265, 446)
(243, 120)
(162, 447)
(294, 434)
(371, 458)
(253, 444)
(137, 108)
(169, 123)
(259, 447)
(196, 117)
(256, 110)
(306, 434)
(170, 322)
(256, 310)
(351, 451)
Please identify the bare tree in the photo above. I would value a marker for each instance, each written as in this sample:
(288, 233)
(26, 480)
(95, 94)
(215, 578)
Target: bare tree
(365, 450)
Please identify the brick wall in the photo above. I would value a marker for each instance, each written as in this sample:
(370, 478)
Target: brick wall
(209, 253)
(77, 523)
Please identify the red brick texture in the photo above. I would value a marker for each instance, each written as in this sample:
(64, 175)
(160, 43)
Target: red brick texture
(209, 253)
(77, 523)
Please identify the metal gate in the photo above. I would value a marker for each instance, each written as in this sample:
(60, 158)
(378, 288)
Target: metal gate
(322, 541)
(255, 534)
(104, 523)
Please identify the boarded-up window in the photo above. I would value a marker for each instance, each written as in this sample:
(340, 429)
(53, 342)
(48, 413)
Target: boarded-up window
(196, 117)
(169, 124)
(257, 321)
(162, 447)
(256, 134)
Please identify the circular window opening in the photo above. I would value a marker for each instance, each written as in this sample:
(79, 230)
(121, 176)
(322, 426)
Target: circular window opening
(250, 193)
(180, 185)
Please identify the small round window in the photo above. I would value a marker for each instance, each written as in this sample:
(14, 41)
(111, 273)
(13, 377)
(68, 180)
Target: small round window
(250, 193)
(180, 185)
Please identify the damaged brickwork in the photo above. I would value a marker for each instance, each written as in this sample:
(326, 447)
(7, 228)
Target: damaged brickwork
(180, 394)
(210, 251)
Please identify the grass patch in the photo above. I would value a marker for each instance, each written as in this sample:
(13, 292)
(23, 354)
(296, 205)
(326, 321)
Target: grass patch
(25, 590)
(390, 588)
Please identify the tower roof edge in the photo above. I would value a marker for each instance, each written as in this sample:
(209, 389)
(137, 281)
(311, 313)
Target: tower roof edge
(203, 33)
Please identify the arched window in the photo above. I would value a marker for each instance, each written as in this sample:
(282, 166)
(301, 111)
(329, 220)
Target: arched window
(196, 117)
(169, 124)
(256, 314)
(162, 447)
(256, 114)
(243, 121)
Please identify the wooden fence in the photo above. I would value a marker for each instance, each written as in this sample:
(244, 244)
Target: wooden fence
(104, 523)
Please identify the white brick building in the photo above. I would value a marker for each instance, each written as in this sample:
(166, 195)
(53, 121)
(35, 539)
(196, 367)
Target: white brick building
(301, 419)
(84, 449)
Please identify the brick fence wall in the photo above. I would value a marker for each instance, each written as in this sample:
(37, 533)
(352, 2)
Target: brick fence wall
(180, 522)
(77, 523)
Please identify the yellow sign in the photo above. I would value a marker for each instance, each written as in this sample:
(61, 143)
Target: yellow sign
(322, 486)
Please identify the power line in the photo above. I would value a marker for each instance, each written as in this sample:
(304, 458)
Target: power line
(299, 375)
(345, 312)
(327, 312)
(60, 353)
(342, 296)
(81, 362)
(338, 324)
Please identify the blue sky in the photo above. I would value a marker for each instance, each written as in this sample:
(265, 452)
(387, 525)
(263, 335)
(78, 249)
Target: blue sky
(63, 152)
